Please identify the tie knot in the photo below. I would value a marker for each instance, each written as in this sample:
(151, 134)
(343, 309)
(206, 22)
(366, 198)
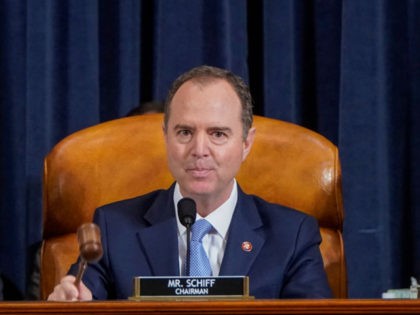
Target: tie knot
(199, 229)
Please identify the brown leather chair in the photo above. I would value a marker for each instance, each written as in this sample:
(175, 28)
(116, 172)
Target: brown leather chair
(119, 159)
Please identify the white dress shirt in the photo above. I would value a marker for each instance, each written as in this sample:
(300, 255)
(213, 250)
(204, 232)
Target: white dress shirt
(214, 243)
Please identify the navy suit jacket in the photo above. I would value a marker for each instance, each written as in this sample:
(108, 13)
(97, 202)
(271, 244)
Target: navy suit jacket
(139, 238)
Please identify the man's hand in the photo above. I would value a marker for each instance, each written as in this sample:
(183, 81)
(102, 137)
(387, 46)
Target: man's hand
(67, 291)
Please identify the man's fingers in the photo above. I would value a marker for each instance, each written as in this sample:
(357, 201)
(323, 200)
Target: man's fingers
(67, 291)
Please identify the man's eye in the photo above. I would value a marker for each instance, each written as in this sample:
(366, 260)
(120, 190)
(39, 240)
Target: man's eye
(184, 133)
(219, 134)
(219, 137)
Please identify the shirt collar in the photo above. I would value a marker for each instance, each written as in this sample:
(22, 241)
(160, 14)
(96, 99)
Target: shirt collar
(219, 218)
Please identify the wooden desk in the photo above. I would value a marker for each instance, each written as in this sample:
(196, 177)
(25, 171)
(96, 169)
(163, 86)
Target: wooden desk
(216, 307)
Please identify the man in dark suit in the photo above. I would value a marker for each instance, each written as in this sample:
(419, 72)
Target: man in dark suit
(208, 134)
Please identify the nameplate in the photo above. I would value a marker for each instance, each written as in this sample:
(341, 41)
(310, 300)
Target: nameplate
(190, 287)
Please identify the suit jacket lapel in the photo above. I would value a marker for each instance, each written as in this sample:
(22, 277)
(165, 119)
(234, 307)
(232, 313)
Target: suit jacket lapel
(159, 240)
(245, 238)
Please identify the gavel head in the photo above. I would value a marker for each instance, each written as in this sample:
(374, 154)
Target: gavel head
(89, 238)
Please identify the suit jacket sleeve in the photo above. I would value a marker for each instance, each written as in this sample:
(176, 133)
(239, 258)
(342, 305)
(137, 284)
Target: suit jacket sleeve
(305, 275)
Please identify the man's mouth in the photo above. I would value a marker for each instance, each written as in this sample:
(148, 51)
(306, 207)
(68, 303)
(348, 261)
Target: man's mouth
(199, 172)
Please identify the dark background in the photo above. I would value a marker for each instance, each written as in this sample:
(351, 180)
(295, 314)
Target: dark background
(347, 69)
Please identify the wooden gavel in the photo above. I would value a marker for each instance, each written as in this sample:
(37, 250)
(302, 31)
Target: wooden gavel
(90, 247)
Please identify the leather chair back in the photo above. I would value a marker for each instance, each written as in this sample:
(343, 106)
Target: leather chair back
(123, 158)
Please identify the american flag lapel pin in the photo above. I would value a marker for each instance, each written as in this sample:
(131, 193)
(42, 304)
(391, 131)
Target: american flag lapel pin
(246, 246)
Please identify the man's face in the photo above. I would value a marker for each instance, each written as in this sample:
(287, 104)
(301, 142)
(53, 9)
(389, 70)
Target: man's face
(204, 139)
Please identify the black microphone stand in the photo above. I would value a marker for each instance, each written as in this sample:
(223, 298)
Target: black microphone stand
(187, 261)
(186, 214)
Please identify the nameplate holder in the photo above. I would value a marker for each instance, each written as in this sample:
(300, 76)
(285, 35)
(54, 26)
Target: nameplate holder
(223, 287)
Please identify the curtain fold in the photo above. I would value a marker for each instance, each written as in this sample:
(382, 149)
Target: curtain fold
(413, 122)
(349, 70)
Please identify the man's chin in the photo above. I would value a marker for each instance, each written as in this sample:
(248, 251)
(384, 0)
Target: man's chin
(200, 189)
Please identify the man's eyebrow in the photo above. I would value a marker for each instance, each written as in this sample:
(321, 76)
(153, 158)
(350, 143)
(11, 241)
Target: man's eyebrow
(182, 126)
(223, 129)
(210, 129)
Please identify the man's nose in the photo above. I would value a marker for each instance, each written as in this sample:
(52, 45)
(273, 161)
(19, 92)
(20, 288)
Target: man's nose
(200, 145)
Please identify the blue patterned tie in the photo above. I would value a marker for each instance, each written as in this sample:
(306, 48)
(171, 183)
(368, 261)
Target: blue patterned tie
(199, 262)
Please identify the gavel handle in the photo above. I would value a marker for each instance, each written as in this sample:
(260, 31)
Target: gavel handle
(80, 272)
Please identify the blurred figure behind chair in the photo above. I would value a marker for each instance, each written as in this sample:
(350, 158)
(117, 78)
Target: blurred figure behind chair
(151, 107)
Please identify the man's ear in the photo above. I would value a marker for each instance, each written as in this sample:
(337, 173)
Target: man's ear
(248, 143)
(165, 134)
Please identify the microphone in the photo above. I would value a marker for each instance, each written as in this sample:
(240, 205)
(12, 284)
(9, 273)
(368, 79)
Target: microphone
(90, 247)
(186, 214)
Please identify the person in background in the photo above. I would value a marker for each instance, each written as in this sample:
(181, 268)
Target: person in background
(1, 288)
(151, 107)
(208, 131)
(33, 282)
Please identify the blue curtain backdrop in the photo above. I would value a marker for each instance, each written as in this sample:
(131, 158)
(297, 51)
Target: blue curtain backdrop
(347, 69)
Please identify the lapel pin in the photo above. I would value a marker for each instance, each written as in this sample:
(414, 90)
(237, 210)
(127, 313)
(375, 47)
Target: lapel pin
(246, 246)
